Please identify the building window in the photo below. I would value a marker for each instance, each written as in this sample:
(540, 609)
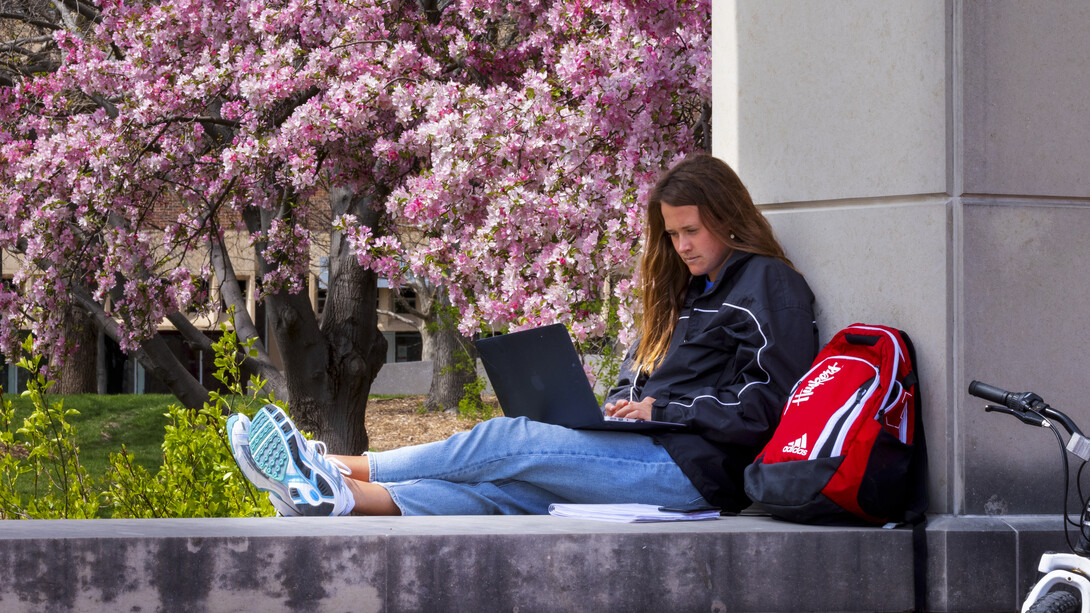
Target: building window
(408, 347)
(406, 300)
(244, 287)
(322, 285)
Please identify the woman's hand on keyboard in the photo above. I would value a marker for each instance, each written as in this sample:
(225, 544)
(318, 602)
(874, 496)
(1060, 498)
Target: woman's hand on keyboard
(630, 410)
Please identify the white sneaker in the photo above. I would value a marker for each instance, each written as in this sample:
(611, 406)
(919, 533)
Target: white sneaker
(238, 433)
(283, 463)
(283, 509)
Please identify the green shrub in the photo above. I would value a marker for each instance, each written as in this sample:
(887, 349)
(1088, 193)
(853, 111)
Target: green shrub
(45, 454)
(471, 405)
(198, 476)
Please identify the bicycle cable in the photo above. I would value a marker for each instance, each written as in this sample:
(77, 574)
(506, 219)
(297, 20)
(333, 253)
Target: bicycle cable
(1084, 516)
(1078, 486)
(1067, 485)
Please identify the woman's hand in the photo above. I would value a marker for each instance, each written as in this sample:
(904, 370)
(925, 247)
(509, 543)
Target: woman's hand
(631, 410)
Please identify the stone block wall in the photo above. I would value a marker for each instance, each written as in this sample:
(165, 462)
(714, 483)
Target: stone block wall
(924, 165)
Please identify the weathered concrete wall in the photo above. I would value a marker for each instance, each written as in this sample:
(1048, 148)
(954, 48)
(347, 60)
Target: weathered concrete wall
(924, 164)
(484, 564)
(395, 378)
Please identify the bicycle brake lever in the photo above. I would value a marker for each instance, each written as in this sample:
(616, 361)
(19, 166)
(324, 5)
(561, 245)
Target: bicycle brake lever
(1023, 416)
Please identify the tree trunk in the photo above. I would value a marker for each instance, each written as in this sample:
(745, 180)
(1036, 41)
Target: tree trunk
(79, 373)
(453, 356)
(454, 360)
(329, 367)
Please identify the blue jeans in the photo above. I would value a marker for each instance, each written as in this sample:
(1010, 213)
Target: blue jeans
(518, 466)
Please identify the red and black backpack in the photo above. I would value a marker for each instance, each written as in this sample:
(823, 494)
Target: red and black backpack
(849, 447)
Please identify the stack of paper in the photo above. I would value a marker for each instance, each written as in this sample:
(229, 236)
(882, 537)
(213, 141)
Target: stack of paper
(627, 513)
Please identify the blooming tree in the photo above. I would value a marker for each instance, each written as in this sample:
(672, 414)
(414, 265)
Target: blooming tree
(496, 153)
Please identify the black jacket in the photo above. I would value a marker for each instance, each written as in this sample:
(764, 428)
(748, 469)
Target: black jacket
(737, 350)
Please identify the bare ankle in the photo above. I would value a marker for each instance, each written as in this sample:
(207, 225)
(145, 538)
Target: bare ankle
(373, 499)
(358, 466)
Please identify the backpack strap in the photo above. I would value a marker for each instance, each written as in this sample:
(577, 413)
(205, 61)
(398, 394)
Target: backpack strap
(915, 514)
(918, 466)
(919, 566)
(911, 379)
(869, 340)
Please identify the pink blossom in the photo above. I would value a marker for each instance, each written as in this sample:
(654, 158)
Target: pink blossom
(508, 147)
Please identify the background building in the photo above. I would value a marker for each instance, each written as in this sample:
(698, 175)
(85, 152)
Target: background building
(118, 374)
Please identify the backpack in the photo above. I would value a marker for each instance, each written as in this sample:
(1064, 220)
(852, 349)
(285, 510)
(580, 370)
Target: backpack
(849, 447)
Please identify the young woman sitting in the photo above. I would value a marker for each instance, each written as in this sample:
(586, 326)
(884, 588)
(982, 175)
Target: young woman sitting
(727, 329)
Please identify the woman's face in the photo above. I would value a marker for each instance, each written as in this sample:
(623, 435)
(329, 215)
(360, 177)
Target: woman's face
(701, 250)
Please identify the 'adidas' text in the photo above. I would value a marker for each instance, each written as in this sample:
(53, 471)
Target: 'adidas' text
(797, 446)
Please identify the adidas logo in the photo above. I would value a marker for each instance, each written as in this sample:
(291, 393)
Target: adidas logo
(797, 446)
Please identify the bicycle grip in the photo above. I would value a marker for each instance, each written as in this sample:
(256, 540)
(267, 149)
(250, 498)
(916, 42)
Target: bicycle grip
(991, 393)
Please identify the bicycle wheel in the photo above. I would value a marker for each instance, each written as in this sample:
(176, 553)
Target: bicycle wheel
(1056, 602)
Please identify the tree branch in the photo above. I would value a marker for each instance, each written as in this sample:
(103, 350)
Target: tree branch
(16, 45)
(111, 108)
(83, 9)
(204, 119)
(67, 17)
(259, 365)
(232, 294)
(377, 41)
(153, 354)
(703, 131)
(190, 332)
(400, 317)
(31, 21)
(289, 105)
(433, 9)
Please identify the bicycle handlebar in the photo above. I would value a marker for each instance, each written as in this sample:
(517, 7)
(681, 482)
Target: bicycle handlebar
(994, 394)
(1027, 406)
(1026, 401)
(1031, 409)
(1022, 406)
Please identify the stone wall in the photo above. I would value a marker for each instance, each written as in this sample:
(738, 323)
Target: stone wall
(924, 165)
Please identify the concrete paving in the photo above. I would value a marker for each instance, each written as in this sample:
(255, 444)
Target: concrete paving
(512, 564)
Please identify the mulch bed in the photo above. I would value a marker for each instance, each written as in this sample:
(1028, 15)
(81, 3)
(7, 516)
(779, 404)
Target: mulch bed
(398, 422)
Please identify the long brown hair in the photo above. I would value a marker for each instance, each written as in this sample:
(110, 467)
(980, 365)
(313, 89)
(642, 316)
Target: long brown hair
(726, 210)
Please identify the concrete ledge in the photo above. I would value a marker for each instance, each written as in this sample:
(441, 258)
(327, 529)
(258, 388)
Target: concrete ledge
(978, 563)
(508, 564)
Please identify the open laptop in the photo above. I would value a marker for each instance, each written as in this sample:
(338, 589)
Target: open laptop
(537, 374)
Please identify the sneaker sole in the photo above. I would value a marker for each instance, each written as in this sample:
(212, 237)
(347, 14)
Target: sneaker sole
(244, 459)
(274, 446)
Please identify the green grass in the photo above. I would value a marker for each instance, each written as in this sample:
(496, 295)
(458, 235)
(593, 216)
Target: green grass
(105, 423)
